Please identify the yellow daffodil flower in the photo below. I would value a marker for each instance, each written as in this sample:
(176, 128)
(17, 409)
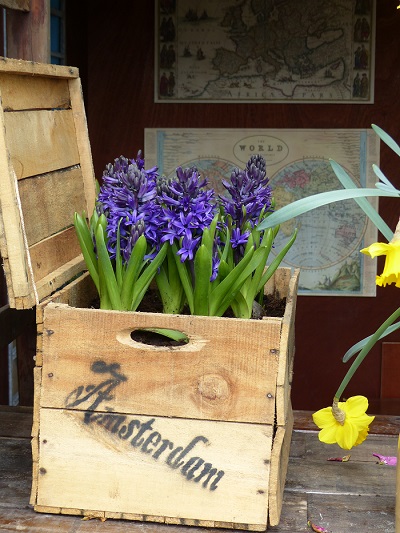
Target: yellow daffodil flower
(391, 271)
(352, 427)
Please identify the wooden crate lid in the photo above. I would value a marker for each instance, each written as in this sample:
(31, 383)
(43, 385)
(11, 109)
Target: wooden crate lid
(46, 174)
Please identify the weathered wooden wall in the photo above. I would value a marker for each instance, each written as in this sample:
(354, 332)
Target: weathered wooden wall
(118, 74)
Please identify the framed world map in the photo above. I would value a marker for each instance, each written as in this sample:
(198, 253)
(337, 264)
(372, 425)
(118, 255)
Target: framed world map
(329, 240)
(265, 51)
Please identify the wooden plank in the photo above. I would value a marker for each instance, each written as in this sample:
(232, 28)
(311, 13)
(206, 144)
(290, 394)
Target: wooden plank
(49, 202)
(287, 346)
(48, 143)
(15, 466)
(35, 68)
(82, 136)
(227, 371)
(137, 476)
(370, 513)
(59, 277)
(22, 92)
(279, 466)
(20, 5)
(54, 252)
(12, 245)
(361, 475)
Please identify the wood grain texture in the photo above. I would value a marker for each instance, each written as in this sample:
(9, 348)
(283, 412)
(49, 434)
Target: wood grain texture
(12, 245)
(55, 178)
(26, 67)
(33, 92)
(306, 496)
(279, 466)
(135, 476)
(54, 252)
(48, 143)
(49, 202)
(83, 143)
(227, 371)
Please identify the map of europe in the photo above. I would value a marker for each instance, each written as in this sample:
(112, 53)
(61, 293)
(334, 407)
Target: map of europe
(265, 50)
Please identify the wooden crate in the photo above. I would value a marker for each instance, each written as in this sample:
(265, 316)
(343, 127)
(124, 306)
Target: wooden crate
(196, 434)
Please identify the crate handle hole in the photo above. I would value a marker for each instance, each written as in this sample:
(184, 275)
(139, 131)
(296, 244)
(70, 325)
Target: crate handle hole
(162, 337)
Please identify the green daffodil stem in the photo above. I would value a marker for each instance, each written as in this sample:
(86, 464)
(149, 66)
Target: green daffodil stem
(361, 356)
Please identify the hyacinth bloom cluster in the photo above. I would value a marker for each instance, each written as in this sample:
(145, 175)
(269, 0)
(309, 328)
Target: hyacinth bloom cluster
(128, 199)
(250, 197)
(203, 250)
(187, 207)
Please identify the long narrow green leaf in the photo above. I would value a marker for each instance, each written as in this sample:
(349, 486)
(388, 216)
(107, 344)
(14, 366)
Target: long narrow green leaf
(146, 277)
(132, 272)
(118, 259)
(185, 278)
(224, 289)
(387, 139)
(241, 275)
(87, 248)
(240, 306)
(173, 334)
(105, 302)
(374, 216)
(311, 202)
(106, 268)
(277, 261)
(378, 172)
(202, 275)
(266, 245)
(360, 345)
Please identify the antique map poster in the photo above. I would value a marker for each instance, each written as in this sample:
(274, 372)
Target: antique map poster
(264, 51)
(327, 248)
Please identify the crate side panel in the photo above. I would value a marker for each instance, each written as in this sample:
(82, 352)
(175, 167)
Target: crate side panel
(59, 277)
(49, 202)
(44, 132)
(48, 142)
(22, 92)
(79, 293)
(287, 352)
(226, 372)
(279, 466)
(128, 463)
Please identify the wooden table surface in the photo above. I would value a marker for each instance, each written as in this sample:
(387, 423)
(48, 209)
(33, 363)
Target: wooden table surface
(357, 496)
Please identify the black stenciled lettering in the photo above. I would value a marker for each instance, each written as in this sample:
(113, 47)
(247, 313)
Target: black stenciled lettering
(123, 427)
(191, 466)
(164, 445)
(210, 472)
(98, 393)
(152, 440)
(176, 462)
(126, 431)
(146, 426)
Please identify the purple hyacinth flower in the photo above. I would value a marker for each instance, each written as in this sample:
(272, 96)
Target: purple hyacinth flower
(128, 198)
